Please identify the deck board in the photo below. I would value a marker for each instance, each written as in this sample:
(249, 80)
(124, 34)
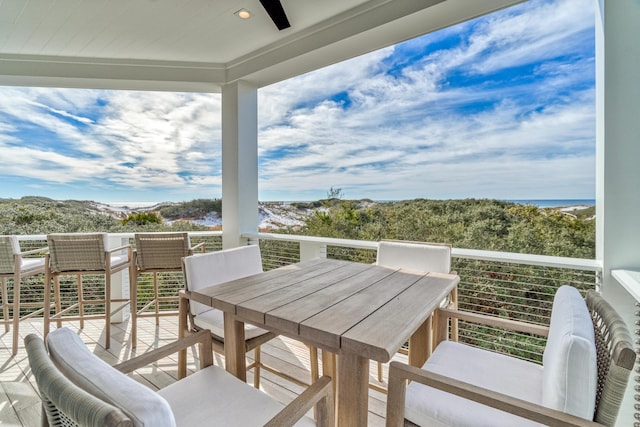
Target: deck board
(20, 404)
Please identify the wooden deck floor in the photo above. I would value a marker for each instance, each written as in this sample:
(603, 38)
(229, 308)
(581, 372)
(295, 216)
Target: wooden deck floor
(20, 404)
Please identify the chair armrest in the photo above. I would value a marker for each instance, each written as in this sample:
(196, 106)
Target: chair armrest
(399, 373)
(198, 246)
(443, 314)
(119, 248)
(35, 251)
(321, 393)
(206, 357)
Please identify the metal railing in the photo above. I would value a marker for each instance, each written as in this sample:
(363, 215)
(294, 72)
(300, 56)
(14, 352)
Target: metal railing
(510, 285)
(515, 286)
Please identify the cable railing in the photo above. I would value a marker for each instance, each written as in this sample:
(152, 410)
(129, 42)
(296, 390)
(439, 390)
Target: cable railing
(514, 286)
(509, 285)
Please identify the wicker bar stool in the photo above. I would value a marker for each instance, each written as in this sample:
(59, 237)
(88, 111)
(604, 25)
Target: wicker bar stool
(15, 265)
(83, 254)
(157, 253)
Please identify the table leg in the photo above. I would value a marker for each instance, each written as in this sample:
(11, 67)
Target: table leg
(234, 354)
(420, 344)
(353, 390)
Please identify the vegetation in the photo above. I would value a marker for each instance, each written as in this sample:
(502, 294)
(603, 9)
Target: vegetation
(469, 223)
(197, 208)
(40, 215)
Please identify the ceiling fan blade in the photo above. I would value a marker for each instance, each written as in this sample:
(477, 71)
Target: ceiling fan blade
(276, 12)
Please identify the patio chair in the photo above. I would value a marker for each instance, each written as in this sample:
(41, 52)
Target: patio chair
(81, 254)
(79, 389)
(419, 256)
(157, 253)
(213, 268)
(581, 382)
(16, 265)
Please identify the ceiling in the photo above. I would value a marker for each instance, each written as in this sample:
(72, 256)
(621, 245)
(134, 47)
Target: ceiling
(200, 45)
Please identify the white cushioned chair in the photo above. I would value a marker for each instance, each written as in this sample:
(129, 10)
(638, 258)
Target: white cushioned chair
(78, 388)
(214, 268)
(574, 384)
(418, 256)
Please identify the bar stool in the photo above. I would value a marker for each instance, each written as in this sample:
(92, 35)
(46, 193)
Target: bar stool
(15, 265)
(157, 253)
(82, 254)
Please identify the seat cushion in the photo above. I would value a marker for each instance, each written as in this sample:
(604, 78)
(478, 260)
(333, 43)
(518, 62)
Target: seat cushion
(73, 358)
(213, 320)
(212, 396)
(570, 360)
(427, 406)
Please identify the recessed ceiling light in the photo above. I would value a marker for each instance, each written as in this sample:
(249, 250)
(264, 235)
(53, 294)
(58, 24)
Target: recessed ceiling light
(243, 13)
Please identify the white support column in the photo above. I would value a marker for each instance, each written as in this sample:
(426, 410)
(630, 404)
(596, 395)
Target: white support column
(618, 155)
(239, 162)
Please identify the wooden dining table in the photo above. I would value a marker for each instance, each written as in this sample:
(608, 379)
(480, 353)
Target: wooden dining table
(357, 312)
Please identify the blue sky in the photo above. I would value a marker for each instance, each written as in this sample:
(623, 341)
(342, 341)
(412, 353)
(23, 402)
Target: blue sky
(499, 107)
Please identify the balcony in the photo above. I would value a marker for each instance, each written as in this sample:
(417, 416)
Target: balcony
(517, 286)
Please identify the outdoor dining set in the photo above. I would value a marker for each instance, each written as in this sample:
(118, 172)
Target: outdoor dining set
(346, 313)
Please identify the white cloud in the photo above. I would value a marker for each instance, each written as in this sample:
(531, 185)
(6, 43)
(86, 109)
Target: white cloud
(411, 133)
(456, 121)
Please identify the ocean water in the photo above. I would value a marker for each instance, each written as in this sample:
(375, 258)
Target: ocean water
(555, 203)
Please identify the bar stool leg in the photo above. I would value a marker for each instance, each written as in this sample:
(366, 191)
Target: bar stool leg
(56, 296)
(133, 284)
(156, 296)
(16, 312)
(81, 301)
(107, 309)
(5, 303)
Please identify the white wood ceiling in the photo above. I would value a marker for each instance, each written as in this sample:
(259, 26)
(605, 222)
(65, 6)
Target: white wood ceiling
(201, 44)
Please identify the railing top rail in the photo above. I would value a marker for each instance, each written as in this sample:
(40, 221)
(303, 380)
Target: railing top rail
(506, 257)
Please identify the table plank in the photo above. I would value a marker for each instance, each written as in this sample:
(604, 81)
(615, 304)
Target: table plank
(377, 338)
(224, 296)
(326, 327)
(288, 317)
(255, 309)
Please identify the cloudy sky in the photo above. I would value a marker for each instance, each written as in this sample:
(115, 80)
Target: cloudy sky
(499, 107)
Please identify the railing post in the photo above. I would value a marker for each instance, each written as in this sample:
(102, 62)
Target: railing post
(119, 285)
(310, 250)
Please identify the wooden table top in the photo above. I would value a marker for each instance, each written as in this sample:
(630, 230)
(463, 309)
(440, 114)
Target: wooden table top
(340, 306)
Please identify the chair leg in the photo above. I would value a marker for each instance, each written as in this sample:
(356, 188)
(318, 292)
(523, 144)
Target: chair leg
(56, 296)
(156, 296)
(16, 312)
(454, 322)
(107, 310)
(379, 371)
(47, 302)
(80, 301)
(313, 356)
(134, 308)
(5, 303)
(256, 368)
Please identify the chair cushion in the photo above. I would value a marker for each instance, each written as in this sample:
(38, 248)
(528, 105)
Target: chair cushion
(213, 320)
(87, 371)
(213, 268)
(427, 406)
(414, 256)
(212, 396)
(570, 360)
